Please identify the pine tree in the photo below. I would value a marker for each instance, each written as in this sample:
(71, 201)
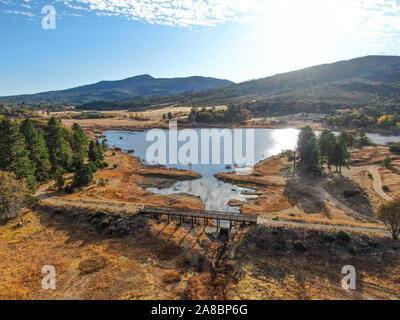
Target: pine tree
(104, 145)
(14, 156)
(38, 153)
(60, 181)
(92, 153)
(327, 143)
(57, 146)
(79, 141)
(83, 175)
(311, 153)
(340, 155)
(303, 146)
(99, 150)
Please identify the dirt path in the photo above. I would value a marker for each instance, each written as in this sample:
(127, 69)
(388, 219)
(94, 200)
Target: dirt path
(120, 206)
(308, 225)
(377, 184)
(377, 181)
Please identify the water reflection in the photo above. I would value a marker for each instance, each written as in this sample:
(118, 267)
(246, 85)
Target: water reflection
(216, 194)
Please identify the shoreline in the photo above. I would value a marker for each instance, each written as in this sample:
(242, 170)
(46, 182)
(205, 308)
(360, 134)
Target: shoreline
(100, 129)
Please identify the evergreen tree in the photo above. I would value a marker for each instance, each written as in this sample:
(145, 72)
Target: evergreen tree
(38, 153)
(14, 156)
(99, 150)
(340, 155)
(57, 146)
(93, 152)
(83, 175)
(311, 153)
(96, 152)
(104, 145)
(303, 145)
(60, 181)
(79, 141)
(327, 143)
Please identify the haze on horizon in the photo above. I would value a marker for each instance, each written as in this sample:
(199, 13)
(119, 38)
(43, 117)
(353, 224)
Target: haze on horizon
(238, 40)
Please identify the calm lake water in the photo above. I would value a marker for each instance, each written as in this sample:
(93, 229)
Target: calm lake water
(215, 194)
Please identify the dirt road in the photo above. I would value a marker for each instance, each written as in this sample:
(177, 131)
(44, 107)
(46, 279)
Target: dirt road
(377, 181)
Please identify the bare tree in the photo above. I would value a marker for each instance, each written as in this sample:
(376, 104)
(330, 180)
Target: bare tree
(389, 214)
(12, 195)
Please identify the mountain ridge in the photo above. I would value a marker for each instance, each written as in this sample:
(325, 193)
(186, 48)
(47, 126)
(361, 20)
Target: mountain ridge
(354, 82)
(136, 87)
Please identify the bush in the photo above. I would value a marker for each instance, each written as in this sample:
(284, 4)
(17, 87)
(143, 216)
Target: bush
(343, 235)
(32, 202)
(386, 188)
(103, 165)
(328, 237)
(92, 166)
(300, 246)
(394, 147)
(387, 161)
(115, 166)
(69, 189)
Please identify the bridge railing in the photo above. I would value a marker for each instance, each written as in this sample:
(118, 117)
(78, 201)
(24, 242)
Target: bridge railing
(209, 214)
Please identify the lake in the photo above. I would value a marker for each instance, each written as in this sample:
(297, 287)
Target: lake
(215, 194)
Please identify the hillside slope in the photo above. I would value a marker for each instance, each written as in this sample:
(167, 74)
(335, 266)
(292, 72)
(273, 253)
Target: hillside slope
(356, 82)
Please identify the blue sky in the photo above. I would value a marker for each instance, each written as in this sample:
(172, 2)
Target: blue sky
(232, 39)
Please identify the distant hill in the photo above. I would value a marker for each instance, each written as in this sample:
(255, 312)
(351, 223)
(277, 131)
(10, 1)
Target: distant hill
(357, 82)
(138, 87)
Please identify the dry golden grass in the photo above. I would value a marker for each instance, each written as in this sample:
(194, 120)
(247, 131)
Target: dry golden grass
(91, 266)
(391, 177)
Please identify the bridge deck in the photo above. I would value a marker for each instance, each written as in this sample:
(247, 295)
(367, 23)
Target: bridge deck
(202, 214)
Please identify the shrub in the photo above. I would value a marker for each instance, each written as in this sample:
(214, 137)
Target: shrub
(343, 235)
(386, 188)
(105, 164)
(300, 246)
(394, 147)
(115, 166)
(32, 202)
(92, 166)
(69, 189)
(387, 161)
(328, 237)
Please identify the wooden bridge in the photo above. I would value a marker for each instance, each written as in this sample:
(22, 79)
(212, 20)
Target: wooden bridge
(199, 215)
